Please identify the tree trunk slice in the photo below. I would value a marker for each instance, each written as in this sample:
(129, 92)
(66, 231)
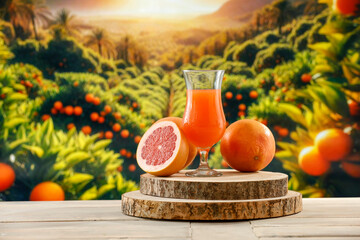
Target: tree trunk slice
(232, 185)
(139, 205)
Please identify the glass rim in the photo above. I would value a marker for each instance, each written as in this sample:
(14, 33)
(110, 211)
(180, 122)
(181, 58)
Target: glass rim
(203, 71)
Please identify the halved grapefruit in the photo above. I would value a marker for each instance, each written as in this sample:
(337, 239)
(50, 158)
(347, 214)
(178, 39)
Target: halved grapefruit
(192, 149)
(163, 150)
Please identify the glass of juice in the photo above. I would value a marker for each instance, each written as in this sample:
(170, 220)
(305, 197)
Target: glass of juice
(204, 119)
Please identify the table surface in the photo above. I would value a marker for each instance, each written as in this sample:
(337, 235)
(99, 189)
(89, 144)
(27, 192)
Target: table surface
(326, 218)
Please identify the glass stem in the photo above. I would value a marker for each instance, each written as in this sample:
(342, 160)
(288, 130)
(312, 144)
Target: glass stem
(204, 154)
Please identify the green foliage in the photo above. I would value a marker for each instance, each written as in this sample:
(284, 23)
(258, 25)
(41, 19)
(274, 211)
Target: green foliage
(246, 52)
(204, 61)
(274, 55)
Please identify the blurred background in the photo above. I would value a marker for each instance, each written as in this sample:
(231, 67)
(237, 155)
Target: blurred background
(81, 81)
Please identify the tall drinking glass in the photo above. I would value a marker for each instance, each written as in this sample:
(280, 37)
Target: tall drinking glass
(204, 119)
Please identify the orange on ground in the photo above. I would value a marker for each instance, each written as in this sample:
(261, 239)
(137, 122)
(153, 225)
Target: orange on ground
(347, 7)
(192, 148)
(306, 78)
(89, 98)
(116, 127)
(283, 132)
(47, 191)
(351, 169)
(125, 133)
(123, 152)
(101, 120)
(117, 115)
(109, 135)
(86, 130)
(94, 116)
(58, 105)
(69, 110)
(7, 176)
(45, 117)
(253, 94)
(107, 109)
(228, 95)
(53, 111)
(242, 107)
(248, 145)
(333, 144)
(238, 97)
(312, 162)
(137, 139)
(96, 101)
(78, 110)
(132, 167)
(70, 126)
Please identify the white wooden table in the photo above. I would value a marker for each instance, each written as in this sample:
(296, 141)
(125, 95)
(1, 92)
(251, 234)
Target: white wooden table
(332, 218)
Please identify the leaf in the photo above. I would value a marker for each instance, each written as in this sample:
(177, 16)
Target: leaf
(16, 97)
(34, 149)
(104, 189)
(324, 48)
(293, 112)
(90, 140)
(79, 178)
(336, 100)
(16, 143)
(19, 87)
(14, 122)
(76, 157)
(89, 194)
(101, 145)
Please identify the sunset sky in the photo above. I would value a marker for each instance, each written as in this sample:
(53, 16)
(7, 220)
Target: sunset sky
(138, 8)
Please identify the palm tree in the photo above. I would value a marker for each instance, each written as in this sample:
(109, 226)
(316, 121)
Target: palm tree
(284, 12)
(16, 12)
(39, 14)
(100, 39)
(65, 21)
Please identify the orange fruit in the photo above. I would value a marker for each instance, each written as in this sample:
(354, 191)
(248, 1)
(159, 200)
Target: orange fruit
(351, 169)
(53, 111)
(101, 120)
(242, 107)
(306, 78)
(101, 134)
(107, 109)
(47, 191)
(125, 133)
(69, 110)
(45, 117)
(228, 95)
(253, 94)
(241, 113)
(96, 101)
(264, 121)
(86, 130)
(76, 84)
(78, 110)
(333, 144)
(116, 127)
(354, 108)
(94, 116)
(89, 98)
(137, 139)
(123, 152)
(238, 97)
(70, 126)
(62, 111)
(311, 162)
(224, 164)
(132, 167)
(347, 7)
(135, 105)
(283, 132)
(247, 145)
(103, 113)
(192, 148)
(142, 125)
(58, 105)
(128, 154)
(7, 176)
(109, 135)
(117, 115)
(119, 168)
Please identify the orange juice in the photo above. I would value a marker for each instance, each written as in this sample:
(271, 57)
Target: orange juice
(204, 120)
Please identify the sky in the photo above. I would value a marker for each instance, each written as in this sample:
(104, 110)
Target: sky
(138, 8)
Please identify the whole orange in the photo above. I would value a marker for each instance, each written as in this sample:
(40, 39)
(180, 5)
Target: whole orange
(312, 162)
(347, 7)
(107, 109)
(253, 94)
(137, 139)
(70, 126)
(247, 145)
(117, 115)
(125, 133)
(89, 98)
(116, 127)
(242, 107)
(228, 95)
(86, 130)
(94, 116)
(123, 152)
(47, 191)
(333, 144)
(7, 176)
(69, 110)
(238, 97)
(101, 120)
(58, 105)
(132, 167)
(109, 135)
(351, 169)
(78, 110)
(354, 108)
(53, 111)
(45, 117)
(96, 101)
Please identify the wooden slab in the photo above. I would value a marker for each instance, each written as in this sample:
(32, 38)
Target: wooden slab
(232, 185)
(139, 205)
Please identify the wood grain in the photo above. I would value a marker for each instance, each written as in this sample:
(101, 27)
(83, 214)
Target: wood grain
(233, 185)
(139, 205)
